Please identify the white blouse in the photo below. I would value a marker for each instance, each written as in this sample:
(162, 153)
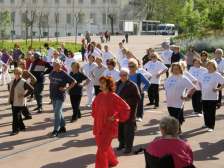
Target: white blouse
(197, 72)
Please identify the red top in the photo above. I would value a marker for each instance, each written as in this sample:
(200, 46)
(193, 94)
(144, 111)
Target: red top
(107, 105)
(28, 62)
(180, 151)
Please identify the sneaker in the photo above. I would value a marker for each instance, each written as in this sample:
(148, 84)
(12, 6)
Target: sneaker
(30, 100)
(204, 126)
(194, 112)
(88, 105)
(200, 115)
(139, 119)
(210, 130)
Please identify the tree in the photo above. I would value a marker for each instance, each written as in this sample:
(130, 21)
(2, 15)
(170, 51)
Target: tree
(79, 16)
(14, 9)
(5, 22)
(56, 21)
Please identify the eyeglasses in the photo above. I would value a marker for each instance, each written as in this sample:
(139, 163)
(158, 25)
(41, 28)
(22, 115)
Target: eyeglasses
(17, 73)
(122, 75)
(131, 66)
(19, 64)
(109, 64)
(210, 66)
(153, 57)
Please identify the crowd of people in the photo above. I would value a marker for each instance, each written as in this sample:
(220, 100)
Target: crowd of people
(119, 93)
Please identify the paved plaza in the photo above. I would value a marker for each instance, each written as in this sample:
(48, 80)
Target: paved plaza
(76, 148)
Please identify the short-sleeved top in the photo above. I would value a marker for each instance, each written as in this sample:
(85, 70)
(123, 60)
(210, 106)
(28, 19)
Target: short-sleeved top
(57, 80)
(98, 73)
(154, 69)
(50, 53)
(79, 77)
(87, 53)
(106, 56)
(145, 74)
(143, 79)
(197, 72)
(220, 65)
(166, 54)
(114, 74)
(119, 56)
(124, 63)
(208, 83)
(174, 100)
(68, 62)
(190, 77)
(176, 57)
(5, 58)
(87, 71)
(190, 57)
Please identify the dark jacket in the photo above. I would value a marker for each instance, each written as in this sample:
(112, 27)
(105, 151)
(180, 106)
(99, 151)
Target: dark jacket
(66, 51)
(130, 93)
(145, 59)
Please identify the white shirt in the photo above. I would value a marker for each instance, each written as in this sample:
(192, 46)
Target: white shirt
(115, 74)
(120, 56)
(50, 52)
(197, 72)
(87, 71)
(124, 63)
(154, 69)
(96, 54)
(183, 84)
(106, 56)
(1, 63)
(97, 50)
(68, 63)
(102, 51)
(190, 77)
(145, 74)
(208, 83)
(166, 56)
(220, 66)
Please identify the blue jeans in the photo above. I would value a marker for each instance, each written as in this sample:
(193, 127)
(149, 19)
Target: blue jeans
(59, 119)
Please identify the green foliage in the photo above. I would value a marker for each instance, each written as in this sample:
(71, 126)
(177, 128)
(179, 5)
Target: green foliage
(5, 22)
(37, 44)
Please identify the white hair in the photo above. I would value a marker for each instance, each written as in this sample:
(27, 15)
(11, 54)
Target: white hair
(124, 70)
(58, 61)
(219, 49)
(63, 44)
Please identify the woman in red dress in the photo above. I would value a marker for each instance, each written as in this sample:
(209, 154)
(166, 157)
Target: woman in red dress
(107, 110)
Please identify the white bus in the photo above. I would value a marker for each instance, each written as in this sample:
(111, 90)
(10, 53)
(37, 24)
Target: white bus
(163, 29)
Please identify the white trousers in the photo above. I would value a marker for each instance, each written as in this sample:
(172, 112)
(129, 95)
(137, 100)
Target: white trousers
(6, 75)
(90, 92)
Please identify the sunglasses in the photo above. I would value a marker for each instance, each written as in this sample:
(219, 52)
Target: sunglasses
(131, 66)
(109, 64)
(153, 57)
(17, 73)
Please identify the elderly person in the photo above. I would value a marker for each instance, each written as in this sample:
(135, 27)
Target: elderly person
(62, 56)
(56, 56)
(107, 110)
(156, 69)
(175, 88)
(190, 54)
(148, 76)
(17, 52)
(220, 69)
(26, 75)
(147, 57)
(86, 69)
(209, 88)
(77, 91)
(124, 62)
(177, 55)
(69, 60)
(107, 55)
(111, 71)
(42, 53)
(187, 74)
(63, 49)
(97, 73)
(7, 60)
(129, 92)
(91, 51)
(170, 143)
(166, 56)
(39, 72)
(58, 81)
(204, 59)
(19, 89)
(28, 60)
(197, 71)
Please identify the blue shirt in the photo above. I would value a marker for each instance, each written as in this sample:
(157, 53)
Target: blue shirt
(143, 80)
(120, 87)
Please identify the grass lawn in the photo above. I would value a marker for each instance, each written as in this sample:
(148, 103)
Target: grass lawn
(36, 45)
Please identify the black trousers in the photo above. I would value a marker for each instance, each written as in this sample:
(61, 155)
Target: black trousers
(209, 109)
(126, 40)
(38, 92)
(97, 90)
(26, 112)
(167, 73)
(140, 106)
(31, 96)
(75, 101)
(126, 134)
(83, 56)
(176, 113)
(153, 94)
(197, 102)
(220, 95)
(15, 64)
(17, 122)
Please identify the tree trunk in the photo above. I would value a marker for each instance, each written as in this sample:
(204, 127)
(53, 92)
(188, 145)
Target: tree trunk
(26, 29)
(76, 29)
(13, 21)
(112, 26)
(48, 33)
(31, 33)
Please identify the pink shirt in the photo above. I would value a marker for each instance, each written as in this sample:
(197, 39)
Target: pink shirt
(180, 151)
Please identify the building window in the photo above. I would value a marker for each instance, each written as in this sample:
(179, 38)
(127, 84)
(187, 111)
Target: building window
(69, 34)
(45, 1)
(80, 18)
(80, 1)
(93, 16)
(45, 34)
(34, 33)
(57, 34)
(104, 1)
(69, 1)
(93, 1)
(13, 32)
(56, 1)
(144, 26)
(12, 1)
(69, 18)
(1, 1)
(1, 16)
(23, 1)
(113, 1)
(34, 1)
(23, 17)
(56, 18)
